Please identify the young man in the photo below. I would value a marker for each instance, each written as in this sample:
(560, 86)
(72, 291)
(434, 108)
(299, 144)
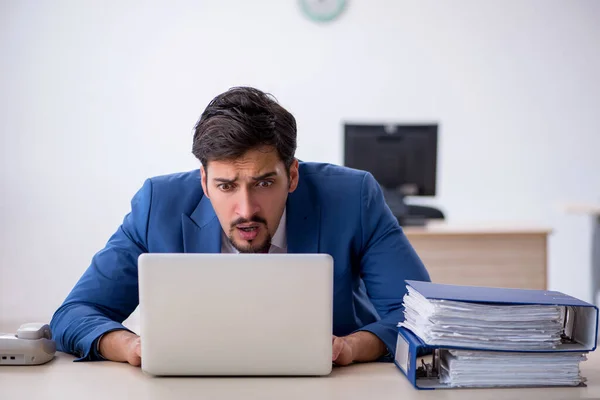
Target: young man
(251, 195)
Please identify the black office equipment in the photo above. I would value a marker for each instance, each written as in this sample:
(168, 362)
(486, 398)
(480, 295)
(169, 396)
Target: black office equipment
(402, 158)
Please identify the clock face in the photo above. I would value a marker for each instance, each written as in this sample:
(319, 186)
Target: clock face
(322, 10)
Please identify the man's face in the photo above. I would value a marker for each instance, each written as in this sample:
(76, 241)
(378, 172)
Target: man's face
(249, 196)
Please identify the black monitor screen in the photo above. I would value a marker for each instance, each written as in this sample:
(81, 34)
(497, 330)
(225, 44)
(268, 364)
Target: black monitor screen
(400, 157)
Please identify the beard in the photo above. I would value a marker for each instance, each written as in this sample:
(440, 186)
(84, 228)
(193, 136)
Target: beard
(252, 246)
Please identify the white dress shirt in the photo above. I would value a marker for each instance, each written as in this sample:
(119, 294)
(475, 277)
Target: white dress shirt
(278, 241)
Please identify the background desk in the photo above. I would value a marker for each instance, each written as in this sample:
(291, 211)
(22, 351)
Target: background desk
(483, 256)
(62, 379)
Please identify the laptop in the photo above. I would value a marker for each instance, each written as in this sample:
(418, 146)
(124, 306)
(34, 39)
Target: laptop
(236, 314)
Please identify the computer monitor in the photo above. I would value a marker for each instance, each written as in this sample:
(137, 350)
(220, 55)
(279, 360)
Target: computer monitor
(402, 158)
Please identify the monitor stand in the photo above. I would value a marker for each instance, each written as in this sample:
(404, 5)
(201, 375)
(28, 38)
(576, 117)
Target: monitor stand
(402, 212)
(395, 201)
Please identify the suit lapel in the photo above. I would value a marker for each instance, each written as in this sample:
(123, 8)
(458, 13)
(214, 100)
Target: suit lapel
(201, 230)
(303, 221)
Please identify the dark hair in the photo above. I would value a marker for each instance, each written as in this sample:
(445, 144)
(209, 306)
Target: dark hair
(241, 119)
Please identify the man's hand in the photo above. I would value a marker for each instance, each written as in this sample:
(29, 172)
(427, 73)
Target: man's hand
(121, 346)
(360, 346)
(341, 353)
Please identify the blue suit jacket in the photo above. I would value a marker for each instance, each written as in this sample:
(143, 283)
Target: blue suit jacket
(334, 210)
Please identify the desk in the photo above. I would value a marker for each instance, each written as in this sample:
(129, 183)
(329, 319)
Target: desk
(593, 210)
(62, 379)
(483, 255)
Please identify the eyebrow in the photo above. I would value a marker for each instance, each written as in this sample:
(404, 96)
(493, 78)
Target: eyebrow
(254, 178)
(264, 176)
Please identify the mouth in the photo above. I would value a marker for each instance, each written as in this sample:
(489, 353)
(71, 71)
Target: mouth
(247, 227)
(248, 232)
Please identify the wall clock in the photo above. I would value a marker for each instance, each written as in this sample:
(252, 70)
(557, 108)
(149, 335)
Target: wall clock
(322, 10)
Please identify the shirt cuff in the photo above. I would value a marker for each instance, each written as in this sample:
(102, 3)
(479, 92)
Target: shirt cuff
(91, 351)
(97, 345)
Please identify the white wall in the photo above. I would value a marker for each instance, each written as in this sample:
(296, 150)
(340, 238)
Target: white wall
(97, 95)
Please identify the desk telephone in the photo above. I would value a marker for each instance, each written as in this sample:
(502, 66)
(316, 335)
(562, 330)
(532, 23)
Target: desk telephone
(31, 345)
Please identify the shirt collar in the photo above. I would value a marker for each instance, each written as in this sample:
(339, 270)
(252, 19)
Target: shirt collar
(279, 239)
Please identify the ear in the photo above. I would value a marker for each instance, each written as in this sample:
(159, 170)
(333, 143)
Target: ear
(294, 175)
(203, 180)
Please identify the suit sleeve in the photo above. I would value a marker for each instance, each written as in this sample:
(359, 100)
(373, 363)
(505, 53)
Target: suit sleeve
(107, 293)
(387, 259)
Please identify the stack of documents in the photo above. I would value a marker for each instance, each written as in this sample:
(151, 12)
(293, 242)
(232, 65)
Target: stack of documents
(465, 336)
(463, 368)
(501, 327)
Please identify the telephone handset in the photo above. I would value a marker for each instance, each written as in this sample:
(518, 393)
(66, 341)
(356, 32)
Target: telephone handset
(31, 345)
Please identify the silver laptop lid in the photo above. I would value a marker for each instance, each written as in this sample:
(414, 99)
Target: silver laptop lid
(236, 314)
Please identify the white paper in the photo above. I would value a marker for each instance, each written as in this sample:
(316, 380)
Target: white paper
(461, 368)
(483, 326)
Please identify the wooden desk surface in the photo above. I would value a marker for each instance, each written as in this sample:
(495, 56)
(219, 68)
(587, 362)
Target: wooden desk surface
(64, 379)
(442, 228)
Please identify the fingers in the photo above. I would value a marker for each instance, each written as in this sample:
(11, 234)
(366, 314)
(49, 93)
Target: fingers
(336, 348)
(138, 347)
(135, 361)
(135, 353)
(341, 351)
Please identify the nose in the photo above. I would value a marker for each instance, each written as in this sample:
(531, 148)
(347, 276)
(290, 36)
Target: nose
(246, 205)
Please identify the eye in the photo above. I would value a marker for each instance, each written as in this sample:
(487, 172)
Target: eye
(225, 187)
(264, 184)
